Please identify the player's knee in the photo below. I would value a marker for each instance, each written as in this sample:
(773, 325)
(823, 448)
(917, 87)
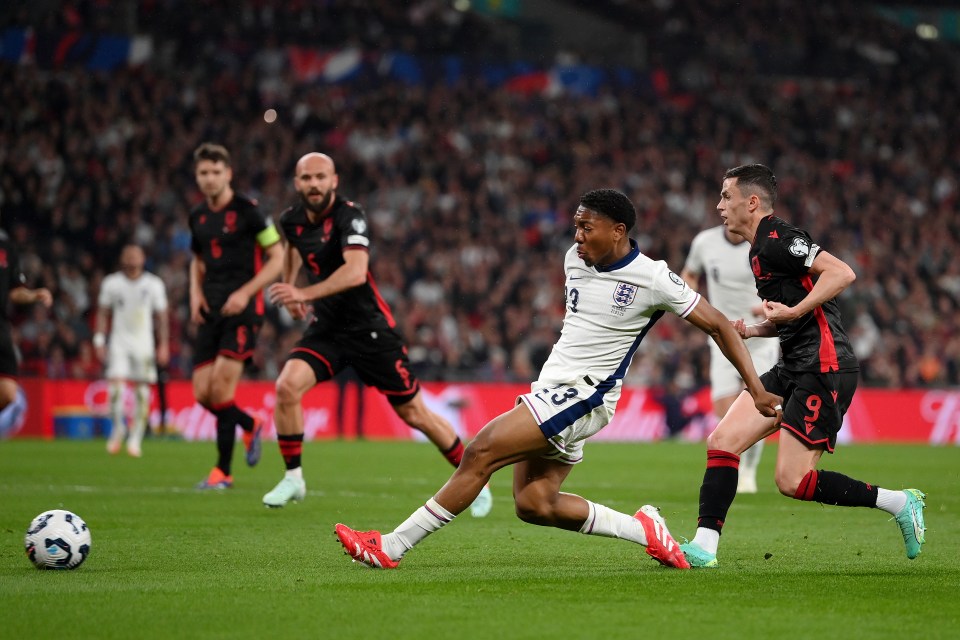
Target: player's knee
(481, 458)
(787, 482)
(531, 508)
(288, 392)
(220, 394)
(718, 440)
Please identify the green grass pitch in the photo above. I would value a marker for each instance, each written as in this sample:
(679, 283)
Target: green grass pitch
(170, 562)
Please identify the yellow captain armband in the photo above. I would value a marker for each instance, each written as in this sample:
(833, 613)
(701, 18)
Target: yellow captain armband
(268, 236)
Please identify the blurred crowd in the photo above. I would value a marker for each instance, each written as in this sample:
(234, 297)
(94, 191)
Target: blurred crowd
(470, 188)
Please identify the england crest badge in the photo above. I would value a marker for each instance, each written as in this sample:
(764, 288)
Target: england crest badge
(624, 294)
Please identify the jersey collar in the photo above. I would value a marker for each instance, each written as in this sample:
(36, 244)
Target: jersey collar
(625, 260)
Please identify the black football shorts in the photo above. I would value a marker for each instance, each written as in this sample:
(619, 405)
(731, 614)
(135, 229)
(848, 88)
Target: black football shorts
(813, 403)
(379, 358)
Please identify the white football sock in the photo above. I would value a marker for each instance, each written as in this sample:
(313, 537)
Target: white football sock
(421, 523)
(604, 521)
(707, 539)
(295, 473)
(119, 430)
(891, 501)
(750, 459)
(139, 426)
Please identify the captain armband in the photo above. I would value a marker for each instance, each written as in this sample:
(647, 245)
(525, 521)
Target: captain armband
(814, 250)
(268, 237)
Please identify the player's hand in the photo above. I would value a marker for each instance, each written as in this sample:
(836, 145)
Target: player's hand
(741, 327)
(163, 355)
(198, 306)
(235, 304)
(769, 405)
(297, 310)
(44, 297)
(778, 313)
(101, 353)
(286, 294)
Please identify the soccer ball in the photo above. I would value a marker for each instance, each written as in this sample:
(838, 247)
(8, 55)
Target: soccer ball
(57, 539)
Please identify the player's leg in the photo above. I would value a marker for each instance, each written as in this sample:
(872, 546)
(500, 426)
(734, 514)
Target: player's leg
(725, 387)
(382, 363)
(224, 377)
(441, 433)
(141, 416)
(11, 411)
(201, 380)
(539, 501)
(437, 430)
(824, 399)
(12, 397)
(215, 384)
(118, 430)
(296, 378)
(118, 372)
(235, 347)
(507, 439)
(749, 463)
(749, 459)
(740, 428)
(144, 374)
(9, 369)
(8, 391)
(765, 353)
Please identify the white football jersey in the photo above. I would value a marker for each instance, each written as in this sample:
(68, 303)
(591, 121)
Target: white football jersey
(730, 284)
(132, 304)
(609, 311)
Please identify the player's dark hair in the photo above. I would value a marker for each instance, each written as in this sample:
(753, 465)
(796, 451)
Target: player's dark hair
(611, 203)
(212, 152)
(758, 179)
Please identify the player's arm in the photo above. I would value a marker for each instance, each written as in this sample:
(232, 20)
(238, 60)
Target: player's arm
(162, 321)
(23, 295)
(352, 273)
(691, 277)
(198, 301)
(763, 329)
(833, 276)
(292, 261)
(269, 240)
(100, 333)
(706, 318)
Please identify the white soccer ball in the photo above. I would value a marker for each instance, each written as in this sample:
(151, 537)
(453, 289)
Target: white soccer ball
(57, 539)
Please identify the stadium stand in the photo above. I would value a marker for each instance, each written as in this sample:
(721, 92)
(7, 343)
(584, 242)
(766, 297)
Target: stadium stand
(469, 170)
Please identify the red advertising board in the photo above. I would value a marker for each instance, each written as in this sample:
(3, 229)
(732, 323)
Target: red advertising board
(332, 411)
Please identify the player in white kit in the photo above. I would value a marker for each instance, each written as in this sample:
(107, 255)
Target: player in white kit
(724, 261)
(136, 301)
(614, 295)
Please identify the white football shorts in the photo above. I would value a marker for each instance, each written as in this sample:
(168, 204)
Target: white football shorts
(568, 414)
(725, 379)
(127, 365)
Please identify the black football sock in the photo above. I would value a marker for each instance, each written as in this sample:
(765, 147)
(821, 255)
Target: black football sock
(718, 489)
(455, 453)
(226, 436)
(229, 412)
(291, 448)
(829, 487)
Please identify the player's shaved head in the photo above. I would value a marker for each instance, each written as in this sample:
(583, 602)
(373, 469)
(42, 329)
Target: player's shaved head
(132, 260)
(314, 157)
